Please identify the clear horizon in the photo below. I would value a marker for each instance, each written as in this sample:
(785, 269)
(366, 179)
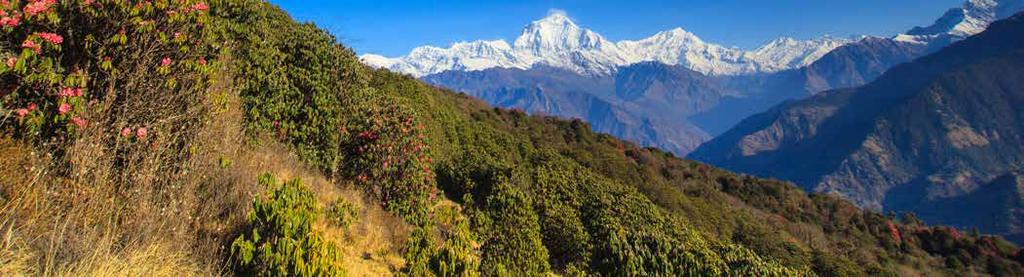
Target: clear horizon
(394, 28)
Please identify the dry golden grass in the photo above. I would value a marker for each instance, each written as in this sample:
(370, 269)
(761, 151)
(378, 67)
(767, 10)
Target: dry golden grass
(169, 205)
(372, 245)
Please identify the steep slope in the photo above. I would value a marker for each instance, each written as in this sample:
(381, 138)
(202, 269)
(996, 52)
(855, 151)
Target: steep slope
(995, 207)
(938, 127)
(971, 18)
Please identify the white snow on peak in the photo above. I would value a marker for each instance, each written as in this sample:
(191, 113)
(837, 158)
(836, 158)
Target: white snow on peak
(971, 18)
(792, 53)
(557, 41)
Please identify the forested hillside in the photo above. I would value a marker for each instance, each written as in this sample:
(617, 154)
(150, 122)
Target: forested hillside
(214, 138)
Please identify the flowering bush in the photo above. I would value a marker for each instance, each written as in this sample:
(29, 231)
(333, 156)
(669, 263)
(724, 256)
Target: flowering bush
(385, 151)
(67, 63)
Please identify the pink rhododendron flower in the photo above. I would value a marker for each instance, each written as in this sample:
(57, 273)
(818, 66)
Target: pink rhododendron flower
(64, 108)
(31, 107)
(202, 61)
(141, 132)
(10, 21)
(29, 44)
(165, 62)
(79, 122)
(126, 132)
(12, 61)
(21, 112)
(66, 92)
(38, 6)
(200, 6)
(70, 92)
(51, 37)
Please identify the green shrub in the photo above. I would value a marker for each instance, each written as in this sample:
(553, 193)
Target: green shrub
(456, 256)
(280, 240)
(295, 79)
(514, 246)
(343, 213)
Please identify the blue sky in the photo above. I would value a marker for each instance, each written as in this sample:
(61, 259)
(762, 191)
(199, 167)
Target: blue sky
(392, 28)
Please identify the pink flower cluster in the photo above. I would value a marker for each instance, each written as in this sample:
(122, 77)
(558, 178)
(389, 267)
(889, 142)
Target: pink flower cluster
(198, 7)
(9, 20)
(30, 44)
(35, 7)
(78, 121)
(165, 62)
(140, 133)
(24, 111)
(64, 108)
(51, 37)
(11, 62)
(70, 92)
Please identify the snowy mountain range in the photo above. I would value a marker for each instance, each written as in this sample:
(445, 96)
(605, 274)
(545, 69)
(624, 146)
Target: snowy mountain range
(557, 41)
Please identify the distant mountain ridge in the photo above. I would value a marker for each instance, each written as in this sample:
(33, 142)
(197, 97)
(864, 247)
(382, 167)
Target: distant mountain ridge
(852, 64)
(642, 102)
(557, 41)
(931, 131)
(575, 61)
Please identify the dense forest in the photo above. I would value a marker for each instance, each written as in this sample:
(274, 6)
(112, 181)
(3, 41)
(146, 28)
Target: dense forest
(175, 137)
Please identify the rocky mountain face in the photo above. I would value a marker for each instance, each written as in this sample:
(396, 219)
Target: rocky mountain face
(935, 129)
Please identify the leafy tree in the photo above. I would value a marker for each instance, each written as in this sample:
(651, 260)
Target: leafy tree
(514, 245)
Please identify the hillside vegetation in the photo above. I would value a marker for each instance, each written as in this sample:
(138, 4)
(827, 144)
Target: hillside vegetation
(179, 137)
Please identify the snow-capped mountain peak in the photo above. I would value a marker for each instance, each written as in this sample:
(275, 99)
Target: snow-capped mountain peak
(557, 41)
(557, 32)
(971, 18)
(787, 52)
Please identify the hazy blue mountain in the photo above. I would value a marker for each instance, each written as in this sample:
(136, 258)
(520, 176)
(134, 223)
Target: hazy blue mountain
(939, 127)
(646, 102)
